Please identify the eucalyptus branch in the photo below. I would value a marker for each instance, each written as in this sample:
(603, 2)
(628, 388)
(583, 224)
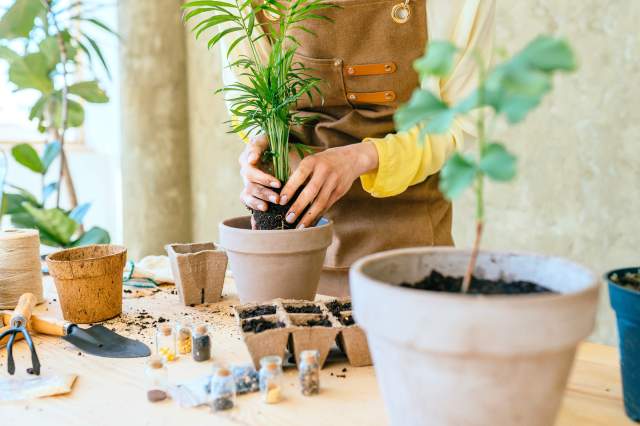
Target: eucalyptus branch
(511, 89)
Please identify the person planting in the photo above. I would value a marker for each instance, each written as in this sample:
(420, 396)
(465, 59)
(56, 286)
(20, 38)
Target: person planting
(361, 58)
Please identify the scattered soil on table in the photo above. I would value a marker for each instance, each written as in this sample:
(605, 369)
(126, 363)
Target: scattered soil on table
(258, 325)
(347, 320)
(320, 322)
(258, 311)
(336, 307)
(629, 280)
(304, 309)
(440, 283)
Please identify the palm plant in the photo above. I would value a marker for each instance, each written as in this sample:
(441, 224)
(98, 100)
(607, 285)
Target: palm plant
(510, 90)
(262, 100)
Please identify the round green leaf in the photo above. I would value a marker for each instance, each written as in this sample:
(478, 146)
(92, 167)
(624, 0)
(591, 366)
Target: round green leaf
(438, 61)
(457, 175)
(497, 163)
(90, 91)
(27, 156)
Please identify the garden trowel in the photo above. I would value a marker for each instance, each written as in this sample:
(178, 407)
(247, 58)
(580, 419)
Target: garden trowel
(95, 340)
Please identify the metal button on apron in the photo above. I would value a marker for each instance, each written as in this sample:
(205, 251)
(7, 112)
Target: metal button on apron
(401, 12)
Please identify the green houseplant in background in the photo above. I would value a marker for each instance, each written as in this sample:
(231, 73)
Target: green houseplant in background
(48, 49)
(504, 356)
(262, 101)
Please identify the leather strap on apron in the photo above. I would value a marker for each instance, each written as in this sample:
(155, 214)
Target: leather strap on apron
(365, 61)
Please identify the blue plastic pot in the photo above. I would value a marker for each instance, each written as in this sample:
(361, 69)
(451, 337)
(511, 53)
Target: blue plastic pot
(626, 303)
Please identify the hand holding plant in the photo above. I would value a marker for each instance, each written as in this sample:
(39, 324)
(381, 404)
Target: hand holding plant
(511, 89)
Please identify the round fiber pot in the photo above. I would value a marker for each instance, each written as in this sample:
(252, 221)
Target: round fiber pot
(275, 264)
(626, 303)
(89, 281)
(453, 359)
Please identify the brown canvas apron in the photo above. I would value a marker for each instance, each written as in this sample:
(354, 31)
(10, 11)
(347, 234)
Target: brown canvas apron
(364, 59)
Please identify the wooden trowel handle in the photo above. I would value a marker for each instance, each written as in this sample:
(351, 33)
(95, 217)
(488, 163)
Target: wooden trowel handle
(22, 312)
(42, 325)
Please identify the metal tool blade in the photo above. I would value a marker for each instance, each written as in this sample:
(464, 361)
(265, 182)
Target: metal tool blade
(101, 341)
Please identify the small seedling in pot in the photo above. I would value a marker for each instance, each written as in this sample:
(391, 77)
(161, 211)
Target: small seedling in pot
(263, 101)
(511, 90)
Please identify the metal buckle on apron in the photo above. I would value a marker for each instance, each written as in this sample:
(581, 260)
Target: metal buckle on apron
(401, 12)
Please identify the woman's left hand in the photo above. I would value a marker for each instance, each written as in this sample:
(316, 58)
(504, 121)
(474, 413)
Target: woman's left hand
(329, 175)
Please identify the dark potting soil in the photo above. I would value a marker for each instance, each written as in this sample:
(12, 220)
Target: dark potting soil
(336, 307)
(629, 280)
(320, 322)
(304, 309)
(258, 311)
(440, 283)
(258, 325)
(274, 217)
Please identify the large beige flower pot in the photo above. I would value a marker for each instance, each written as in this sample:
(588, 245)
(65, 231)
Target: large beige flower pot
(451, 359)
(268, 265)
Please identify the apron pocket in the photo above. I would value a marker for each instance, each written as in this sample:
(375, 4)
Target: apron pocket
(331, 84)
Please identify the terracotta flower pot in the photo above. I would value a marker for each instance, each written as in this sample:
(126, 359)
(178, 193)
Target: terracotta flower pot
(89, 281)
(268, 265)
(451, 359)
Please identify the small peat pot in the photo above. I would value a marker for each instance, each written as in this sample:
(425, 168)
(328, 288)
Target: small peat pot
(312, 332)
(89, 281)
(352, 340)
(268, 265)
(453, 359)
(624, 293)
(265, 333)
(199, 271)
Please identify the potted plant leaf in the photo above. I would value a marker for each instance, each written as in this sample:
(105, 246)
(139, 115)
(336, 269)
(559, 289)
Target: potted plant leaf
(48, 46)
(273, 261)
(624, 293)
(467, 336)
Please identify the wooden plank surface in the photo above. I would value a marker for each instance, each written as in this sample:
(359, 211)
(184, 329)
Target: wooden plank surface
(111, 391)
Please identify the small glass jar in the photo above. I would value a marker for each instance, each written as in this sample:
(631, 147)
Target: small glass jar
(183, 338)
(223, 389)
(166, 342)
(271, 379)
(201, 342)
(157, 379)
(309, 372)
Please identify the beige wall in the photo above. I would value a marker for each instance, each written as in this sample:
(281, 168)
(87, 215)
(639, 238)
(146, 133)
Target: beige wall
(578, 193)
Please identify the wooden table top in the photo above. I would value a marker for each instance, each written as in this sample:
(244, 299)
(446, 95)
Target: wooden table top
(111, 391)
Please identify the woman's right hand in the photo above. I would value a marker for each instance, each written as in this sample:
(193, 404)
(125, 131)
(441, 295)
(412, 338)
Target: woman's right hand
(257, 183)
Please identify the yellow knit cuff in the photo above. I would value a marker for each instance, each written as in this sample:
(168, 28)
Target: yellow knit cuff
(376, 181)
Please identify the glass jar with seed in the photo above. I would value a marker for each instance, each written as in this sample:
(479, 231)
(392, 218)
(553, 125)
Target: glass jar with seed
(271, 379)
(183, 337)
(157, 379)
(201, 343)
(223, 390)
(166, 342)
(309, 372)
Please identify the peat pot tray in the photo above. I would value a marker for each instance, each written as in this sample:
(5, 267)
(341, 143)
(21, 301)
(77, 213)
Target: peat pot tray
(272, 328)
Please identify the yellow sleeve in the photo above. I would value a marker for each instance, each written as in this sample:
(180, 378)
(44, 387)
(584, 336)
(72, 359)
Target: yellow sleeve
(403, 160)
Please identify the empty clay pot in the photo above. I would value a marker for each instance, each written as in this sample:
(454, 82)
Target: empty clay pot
(452, 359)
(89, 281)
(268, 265)
(199, 271)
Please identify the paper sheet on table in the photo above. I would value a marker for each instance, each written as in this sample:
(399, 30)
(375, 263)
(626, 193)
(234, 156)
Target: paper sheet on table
(15, 389)
(157, 268)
